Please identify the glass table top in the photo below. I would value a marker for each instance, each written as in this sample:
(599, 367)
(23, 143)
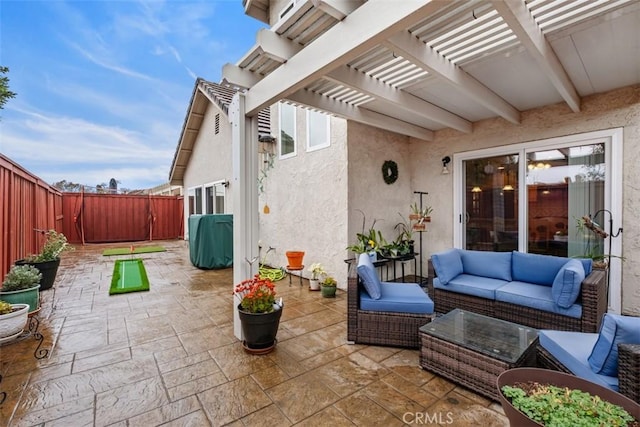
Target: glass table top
(492, 337)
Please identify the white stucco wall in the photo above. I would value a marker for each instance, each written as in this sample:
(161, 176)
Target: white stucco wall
(369, 148)
(211, 158)
(307, 199)
(619, 108)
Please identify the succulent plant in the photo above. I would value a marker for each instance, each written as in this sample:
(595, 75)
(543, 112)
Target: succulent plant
(21, 277)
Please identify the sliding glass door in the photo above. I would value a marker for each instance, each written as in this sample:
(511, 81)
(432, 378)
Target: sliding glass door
(561, 185)
(533, 197)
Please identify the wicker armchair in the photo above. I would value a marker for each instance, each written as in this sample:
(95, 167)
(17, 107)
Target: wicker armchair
(379, 327)
(628, 368)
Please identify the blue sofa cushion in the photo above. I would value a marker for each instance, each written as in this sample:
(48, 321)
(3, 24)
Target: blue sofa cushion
(483, 287)
(369, 277)
(615, 329)
(572, 350)
(496, 265)
(540, 269)
(535, 296)
(399, 298)
(447, 265)
(566, 286)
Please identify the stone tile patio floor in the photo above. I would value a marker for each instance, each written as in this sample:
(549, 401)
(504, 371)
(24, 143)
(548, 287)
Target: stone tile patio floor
(169, 357)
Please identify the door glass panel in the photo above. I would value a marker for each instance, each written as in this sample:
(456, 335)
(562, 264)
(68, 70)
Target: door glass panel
(491, 203)
(563, 185)
(209, 199)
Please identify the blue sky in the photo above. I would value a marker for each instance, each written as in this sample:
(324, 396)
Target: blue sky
(103, 86)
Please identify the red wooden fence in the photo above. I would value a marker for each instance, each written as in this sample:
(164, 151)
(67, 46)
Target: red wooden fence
(98, 218)
(26, 203)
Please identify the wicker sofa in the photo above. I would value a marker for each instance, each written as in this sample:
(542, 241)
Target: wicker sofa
(591, 302)
(610, 358)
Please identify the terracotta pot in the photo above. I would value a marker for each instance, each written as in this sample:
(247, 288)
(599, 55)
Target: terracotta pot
(414, 217)
(295, 259)
(560, 379)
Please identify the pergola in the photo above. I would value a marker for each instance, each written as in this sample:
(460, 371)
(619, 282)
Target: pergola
(418, 66)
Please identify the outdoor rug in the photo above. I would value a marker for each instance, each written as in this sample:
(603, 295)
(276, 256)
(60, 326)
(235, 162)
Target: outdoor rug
(129, 275)
(127, 251)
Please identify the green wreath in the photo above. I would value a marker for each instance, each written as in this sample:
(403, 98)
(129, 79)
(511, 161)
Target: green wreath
(390, 171)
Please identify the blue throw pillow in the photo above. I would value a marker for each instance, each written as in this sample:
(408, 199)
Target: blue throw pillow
(495, 265)
(447, 264)
(615, 329)
(566, 286)
(367, 273)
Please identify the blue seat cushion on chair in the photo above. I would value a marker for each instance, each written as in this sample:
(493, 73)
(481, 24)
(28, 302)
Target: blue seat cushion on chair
(368, 275)
(447, 265)
(399, 298)
(572, 350)
(496, 265)
(535, 296)
(566, 286)
(540, 269)
(615, 329)
(483, 287)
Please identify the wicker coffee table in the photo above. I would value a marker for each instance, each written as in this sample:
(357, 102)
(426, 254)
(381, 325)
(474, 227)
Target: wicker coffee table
(472, 350)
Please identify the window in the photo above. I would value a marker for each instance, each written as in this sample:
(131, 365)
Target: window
(318, 130)
(215, 197)
(195, 200)
(208, 194)
(287, 141)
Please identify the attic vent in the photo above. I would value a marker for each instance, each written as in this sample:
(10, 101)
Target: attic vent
(217, 124)
(287, 8)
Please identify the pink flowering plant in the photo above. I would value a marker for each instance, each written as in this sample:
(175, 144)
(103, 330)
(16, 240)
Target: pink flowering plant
(257, 295)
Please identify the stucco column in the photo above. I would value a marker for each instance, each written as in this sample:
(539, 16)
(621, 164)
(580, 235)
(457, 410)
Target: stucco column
(244, 140)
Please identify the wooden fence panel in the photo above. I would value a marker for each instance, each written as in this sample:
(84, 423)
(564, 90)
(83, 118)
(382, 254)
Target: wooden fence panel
(99, 218)
(26, 204)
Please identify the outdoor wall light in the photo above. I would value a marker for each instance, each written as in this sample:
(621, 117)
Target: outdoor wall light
(445, 161)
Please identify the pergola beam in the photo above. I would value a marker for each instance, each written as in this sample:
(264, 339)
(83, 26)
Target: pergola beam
(384, 92)
(368, 26)
(518, 18)
(339, 9)
(412, 49)
(360, 114)
(234, 75)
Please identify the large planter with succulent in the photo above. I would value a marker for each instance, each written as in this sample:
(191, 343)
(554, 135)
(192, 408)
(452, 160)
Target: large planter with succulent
(48, 260)
(317, 273)
(21, 286)
(539, 397)
(13, 318)
(259, 314)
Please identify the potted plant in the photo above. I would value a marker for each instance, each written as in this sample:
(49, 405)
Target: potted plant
(317, 271)
(259, 314)
(295, 260)
(535, 397)
(21, 286)
(329, 286)
(48, 260)
(13, 317)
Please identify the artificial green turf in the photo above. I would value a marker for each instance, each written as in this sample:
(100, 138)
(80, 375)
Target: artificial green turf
(136, 250)
(129, 275)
